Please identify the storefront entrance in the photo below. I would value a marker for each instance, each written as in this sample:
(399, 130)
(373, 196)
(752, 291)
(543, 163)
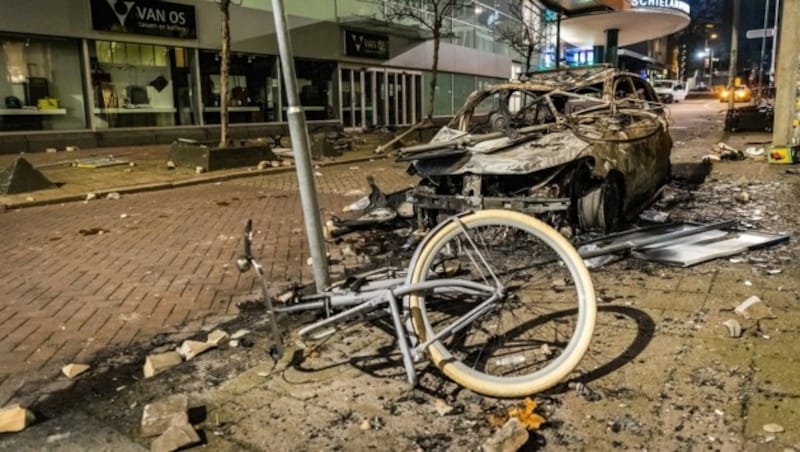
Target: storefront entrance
(379, 97)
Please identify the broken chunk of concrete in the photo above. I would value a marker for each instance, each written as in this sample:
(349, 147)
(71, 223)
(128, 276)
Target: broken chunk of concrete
(15, 418)
(158, 416)
(734, 329)
(113, 195)
(754, 309)
(443, 408)
(190, 349)
(262, 165)
(773, 428)
(240, 334)
(216, 337)
(177, 436)
(73, 370)
(508, 439)
(155, 364)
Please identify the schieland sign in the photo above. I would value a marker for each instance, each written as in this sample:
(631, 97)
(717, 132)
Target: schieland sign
(146, 17)
(662, 4)
(366, 45)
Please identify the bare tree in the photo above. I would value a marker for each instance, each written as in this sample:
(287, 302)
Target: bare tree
(525, 34)
(224, 70)
(430, 15)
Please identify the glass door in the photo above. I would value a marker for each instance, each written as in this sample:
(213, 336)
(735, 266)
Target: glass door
(346, 89)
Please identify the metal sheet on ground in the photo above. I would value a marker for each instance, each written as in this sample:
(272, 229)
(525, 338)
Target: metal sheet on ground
(706, 246)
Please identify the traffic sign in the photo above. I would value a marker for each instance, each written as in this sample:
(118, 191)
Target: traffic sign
(759, 33)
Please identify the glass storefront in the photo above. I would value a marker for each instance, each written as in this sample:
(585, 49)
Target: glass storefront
(41, 84)
(315, 84)
(140, 85)
(253, 88)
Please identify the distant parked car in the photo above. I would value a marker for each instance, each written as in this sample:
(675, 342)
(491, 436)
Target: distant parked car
(670, 90)
(740, 94)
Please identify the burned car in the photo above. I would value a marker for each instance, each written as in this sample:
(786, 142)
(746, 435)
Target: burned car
(584, 149)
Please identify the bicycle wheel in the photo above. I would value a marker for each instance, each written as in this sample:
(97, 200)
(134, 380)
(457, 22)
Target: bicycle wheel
(531, 338)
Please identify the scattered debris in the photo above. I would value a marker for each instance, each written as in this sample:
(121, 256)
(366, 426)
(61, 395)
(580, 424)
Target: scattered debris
(158, 416)
(654, 216)
(72, 148)
(262, 165)
(365, 425)
(99, 162)
(275, 163)
(73, 370)
(155, 364)
(754, 308)
(742, 197)
(15, 418)
(170, 165)
(113, 195)
(508, 439)
(443, 408)
(526, 415)
(189, 349)
(734, 329)
(199, 170)
(51, 150)
(586, 392)
(233, 343)
(216, 337)
(123, 216)
(92, 231)
(240, 334)
(774, 271)
(286, 162)
(175, 437)
(773, 428)
(58, 437)
(91, 196)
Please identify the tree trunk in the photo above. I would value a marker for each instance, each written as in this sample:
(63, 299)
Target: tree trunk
(224, 72)
(434, 70)
(528, 57)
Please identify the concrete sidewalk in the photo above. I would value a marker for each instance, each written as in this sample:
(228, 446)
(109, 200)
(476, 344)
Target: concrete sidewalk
(147, 170)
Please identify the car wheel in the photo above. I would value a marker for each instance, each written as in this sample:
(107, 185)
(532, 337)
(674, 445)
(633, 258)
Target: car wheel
(602, 207)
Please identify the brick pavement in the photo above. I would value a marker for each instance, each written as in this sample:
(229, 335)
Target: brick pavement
(168, 263)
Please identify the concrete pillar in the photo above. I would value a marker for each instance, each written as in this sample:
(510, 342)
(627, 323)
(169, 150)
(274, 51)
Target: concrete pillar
(612, 45)
(788, 62)
(599, 54)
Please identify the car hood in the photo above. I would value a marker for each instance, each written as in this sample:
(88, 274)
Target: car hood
(504, 156)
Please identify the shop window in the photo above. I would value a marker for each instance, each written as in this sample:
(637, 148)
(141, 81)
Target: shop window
(252, 88)
(140, 85)
(40, 84)
(316, 88)
(443, 103)
(463, 85)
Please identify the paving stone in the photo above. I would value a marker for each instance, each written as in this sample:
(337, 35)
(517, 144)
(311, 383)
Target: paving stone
(177, 436)
(73, 370)
(155, 364)
(189, 349)
(217, 337)
(158, 416)
(15, 418)
(508, 439)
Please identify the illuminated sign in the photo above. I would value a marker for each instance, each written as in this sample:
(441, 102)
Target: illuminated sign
(666, 4)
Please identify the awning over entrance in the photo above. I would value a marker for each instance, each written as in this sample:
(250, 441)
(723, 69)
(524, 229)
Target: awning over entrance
(634, 25)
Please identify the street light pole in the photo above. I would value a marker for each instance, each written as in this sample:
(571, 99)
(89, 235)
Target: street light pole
(734, 53)
(300, 148)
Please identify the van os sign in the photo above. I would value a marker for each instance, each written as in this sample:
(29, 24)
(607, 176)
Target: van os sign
(665, 4)
(146, 17)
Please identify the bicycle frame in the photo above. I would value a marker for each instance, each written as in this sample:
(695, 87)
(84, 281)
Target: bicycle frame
(375, 294)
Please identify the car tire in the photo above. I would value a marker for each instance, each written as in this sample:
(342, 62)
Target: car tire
(602, 207)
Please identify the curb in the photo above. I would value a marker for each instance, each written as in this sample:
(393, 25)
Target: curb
(141, 188)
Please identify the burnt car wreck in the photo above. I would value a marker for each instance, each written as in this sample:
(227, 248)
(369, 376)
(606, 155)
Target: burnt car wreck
(582, 149)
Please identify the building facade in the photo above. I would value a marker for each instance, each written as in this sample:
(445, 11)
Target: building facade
(100, 66)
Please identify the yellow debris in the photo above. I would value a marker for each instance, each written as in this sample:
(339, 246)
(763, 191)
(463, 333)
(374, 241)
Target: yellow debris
(525, 414)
